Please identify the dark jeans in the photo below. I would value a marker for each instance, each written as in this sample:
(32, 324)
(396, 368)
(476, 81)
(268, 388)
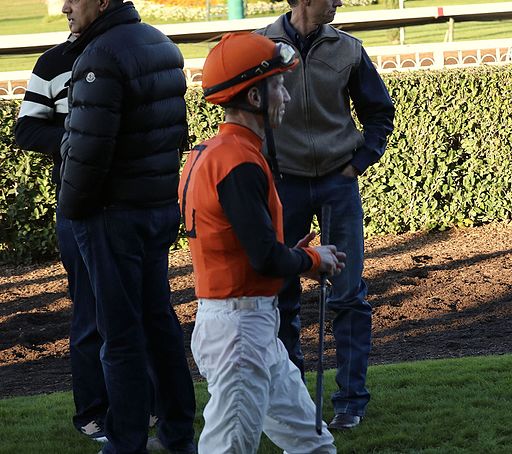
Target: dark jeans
(89, 392)
(302, 198)
(126, 253)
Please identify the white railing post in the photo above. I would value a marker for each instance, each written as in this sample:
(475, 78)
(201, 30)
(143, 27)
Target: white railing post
(401, 5)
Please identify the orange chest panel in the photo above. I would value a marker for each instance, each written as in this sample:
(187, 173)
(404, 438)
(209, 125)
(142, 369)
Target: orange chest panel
(221, 266)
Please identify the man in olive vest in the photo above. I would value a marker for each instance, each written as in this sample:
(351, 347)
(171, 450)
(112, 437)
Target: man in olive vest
(320, 154)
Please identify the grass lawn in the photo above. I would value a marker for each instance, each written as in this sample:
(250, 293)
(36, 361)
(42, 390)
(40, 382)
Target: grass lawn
(434, 33)
(445, 406)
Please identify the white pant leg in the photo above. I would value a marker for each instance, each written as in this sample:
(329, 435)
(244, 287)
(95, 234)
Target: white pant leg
(233, 350)
(290, 421)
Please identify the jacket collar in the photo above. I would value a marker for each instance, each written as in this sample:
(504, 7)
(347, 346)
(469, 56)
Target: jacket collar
(277, 31)
(124, 14)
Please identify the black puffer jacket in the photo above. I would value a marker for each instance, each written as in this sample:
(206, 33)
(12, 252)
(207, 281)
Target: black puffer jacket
(127, 119)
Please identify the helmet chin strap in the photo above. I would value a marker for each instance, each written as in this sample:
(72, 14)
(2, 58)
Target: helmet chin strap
(269, 133)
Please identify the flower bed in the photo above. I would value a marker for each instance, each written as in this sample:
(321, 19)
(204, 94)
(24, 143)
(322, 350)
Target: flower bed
(195, 10)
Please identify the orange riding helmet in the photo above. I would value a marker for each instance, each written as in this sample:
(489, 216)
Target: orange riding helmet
(240, 60)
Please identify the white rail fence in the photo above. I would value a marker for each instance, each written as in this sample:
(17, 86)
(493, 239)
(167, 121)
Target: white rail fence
(386, 59)
(441, 55)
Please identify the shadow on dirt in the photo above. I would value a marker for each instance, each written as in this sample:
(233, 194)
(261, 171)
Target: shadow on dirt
(431, 298)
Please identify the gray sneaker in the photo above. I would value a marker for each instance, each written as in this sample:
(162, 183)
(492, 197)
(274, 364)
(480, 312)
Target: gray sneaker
(155, 445)
(343, 421)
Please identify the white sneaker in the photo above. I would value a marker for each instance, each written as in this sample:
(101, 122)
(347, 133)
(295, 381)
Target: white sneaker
(153, 419)
(94, 431)
(153, 444)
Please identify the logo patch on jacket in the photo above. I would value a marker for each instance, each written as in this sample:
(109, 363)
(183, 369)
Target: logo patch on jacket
(91, 77)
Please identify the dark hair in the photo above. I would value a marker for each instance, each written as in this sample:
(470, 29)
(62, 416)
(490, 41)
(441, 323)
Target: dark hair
(239, 100)
(293, 3)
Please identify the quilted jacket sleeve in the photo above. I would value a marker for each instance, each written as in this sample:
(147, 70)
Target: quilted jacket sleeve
(95, 104)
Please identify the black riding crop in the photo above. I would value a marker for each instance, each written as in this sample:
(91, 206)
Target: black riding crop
(325, 228)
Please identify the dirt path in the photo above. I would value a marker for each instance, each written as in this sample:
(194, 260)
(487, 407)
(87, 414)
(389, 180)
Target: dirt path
(434, 295)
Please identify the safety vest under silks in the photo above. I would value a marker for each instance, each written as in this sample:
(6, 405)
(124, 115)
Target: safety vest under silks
(221, 266)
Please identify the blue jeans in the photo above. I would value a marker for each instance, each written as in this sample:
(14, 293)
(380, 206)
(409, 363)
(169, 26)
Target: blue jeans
(89, 391)
(126, 253)
(302, 198)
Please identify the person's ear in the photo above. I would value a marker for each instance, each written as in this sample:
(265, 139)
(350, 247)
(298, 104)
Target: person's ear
(103, 4)
(254, 97)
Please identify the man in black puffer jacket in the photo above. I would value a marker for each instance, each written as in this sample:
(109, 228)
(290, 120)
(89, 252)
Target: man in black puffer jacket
(121, 150)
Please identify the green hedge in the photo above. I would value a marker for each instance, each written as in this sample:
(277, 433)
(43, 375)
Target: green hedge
(448, 162)
(27, 197)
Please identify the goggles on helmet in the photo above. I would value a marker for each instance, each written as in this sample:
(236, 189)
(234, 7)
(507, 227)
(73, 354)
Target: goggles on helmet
(286, 53)
(285, 57)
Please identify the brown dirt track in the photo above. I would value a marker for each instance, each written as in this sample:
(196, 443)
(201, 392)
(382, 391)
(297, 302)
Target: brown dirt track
(435, 295)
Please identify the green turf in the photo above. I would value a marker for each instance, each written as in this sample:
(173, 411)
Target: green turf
(18, 63)
(445, 406)
(434, 33)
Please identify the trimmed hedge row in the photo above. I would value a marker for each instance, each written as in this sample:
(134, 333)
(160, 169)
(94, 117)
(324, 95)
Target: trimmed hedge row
(448, 162)
(27, 197)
